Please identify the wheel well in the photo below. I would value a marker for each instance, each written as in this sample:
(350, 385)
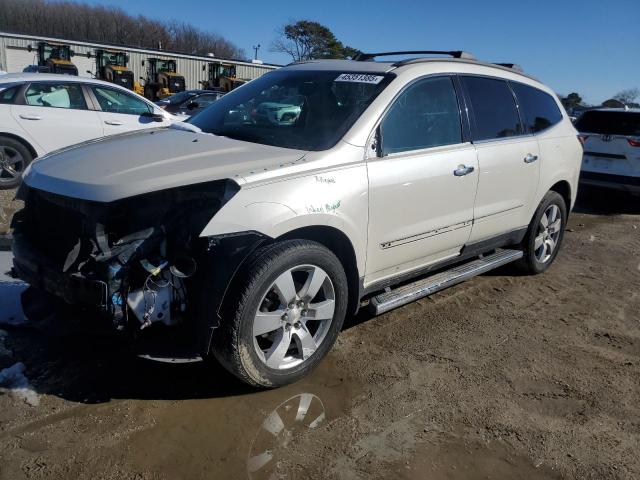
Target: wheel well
(564, 189)
(341, 246)
(22, 141)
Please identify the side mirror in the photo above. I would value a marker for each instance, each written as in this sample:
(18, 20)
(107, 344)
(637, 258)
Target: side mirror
(88, 54)
(89, 72)
(29, 48)
(156, 117)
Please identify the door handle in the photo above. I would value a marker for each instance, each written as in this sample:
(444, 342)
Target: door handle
(113, 122)
(463, 170)
(30, 117)
(530, 158)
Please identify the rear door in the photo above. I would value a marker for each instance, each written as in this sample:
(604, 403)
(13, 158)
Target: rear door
(121, 111)
(56, 115)
(612, 145)
(508, 159)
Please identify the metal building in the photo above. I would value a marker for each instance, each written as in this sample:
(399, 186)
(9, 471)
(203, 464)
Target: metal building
(15, 56)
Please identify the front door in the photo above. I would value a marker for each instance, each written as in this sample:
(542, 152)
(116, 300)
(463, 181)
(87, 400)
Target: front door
(121, 111)
(422, 182)
(55, 114)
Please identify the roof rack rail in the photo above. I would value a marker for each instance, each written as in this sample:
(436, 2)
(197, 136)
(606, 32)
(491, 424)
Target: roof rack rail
(513, 66)
(365, 57)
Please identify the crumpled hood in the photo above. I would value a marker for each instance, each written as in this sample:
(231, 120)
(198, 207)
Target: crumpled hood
(145, 161)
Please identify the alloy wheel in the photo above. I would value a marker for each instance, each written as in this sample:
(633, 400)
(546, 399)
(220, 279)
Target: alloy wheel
(11, 164)
(293, 317)
(549, 229)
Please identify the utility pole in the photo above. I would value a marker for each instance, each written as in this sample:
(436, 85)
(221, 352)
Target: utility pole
(255, 49)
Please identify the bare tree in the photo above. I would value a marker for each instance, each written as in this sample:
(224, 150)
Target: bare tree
(628, 95)
(106, 24)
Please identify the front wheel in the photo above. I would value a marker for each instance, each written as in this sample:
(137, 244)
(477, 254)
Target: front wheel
(545, 233)
(288, 310)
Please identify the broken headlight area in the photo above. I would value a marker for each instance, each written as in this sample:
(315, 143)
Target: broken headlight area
(133, 259)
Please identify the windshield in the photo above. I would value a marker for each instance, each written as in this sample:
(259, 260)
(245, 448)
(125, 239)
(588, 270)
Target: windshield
(609, 123)
(306, 110)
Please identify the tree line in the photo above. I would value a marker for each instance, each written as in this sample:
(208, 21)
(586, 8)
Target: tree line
(629, 97)
(107, 24)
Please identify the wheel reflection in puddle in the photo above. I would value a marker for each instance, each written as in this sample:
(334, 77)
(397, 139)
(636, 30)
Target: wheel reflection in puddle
(280, 429)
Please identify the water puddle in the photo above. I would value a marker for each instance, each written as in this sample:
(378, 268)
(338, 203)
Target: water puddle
(240, 436)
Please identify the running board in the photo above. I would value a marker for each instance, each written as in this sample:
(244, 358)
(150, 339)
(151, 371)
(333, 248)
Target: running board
(421, 288)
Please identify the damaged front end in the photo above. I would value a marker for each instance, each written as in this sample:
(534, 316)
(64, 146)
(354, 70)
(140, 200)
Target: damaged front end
(136, 260)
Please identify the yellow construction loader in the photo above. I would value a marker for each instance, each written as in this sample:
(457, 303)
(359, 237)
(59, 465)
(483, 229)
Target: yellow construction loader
(54, 58)
(162, 80)
(111, 66)
(221, 77)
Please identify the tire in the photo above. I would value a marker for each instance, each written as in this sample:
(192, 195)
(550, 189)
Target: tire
(275, 329)
(539, 256)
(14, 158)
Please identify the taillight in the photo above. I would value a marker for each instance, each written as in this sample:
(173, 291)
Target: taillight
(633, 143)
(583, 138)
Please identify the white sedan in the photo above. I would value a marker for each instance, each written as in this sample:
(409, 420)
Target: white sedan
(40, 113)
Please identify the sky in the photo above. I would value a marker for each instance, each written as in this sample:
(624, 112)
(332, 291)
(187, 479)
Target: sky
(591, 46)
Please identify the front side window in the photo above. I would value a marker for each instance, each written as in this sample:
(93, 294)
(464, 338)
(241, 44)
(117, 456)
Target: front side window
(425, 115)
(494, 108)
(539, 110)
(115, 101)
(56, 95)
(301, 109)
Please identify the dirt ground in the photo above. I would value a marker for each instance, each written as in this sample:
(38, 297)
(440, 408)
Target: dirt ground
(504, 376)
(8, 205)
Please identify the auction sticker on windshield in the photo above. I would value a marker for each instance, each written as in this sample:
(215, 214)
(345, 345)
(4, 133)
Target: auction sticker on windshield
(359, 78)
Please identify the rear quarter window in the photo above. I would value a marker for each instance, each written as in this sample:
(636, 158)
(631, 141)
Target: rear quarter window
(8, 95)
(494, 108)
(538, 109)
(609, 123)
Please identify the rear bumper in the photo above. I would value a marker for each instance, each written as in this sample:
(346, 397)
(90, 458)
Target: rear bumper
(614, 182)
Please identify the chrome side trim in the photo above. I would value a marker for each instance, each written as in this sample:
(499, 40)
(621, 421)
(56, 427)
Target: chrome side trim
(422, 236)
(401, 296)
(498, 213)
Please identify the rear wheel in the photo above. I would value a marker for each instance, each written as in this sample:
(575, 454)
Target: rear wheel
(288, 311)
(545, 234)
(14, 158)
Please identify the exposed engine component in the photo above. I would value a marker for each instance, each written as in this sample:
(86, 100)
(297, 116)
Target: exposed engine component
(132, 258)
(162, 298)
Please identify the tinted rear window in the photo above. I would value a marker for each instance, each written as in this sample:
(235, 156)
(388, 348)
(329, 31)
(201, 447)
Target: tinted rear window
(610, 123)
(494, 108)
(539, 110)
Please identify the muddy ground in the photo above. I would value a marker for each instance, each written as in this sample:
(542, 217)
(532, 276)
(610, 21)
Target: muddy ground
(504, 376)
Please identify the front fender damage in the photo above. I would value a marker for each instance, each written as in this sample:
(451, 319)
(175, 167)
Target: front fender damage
(141, 261)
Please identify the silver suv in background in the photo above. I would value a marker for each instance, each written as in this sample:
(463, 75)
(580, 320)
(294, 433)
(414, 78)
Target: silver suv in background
(611, 139)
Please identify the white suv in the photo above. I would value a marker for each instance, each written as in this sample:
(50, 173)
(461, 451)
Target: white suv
(611, 140)
(252, 239)
(42, 112)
